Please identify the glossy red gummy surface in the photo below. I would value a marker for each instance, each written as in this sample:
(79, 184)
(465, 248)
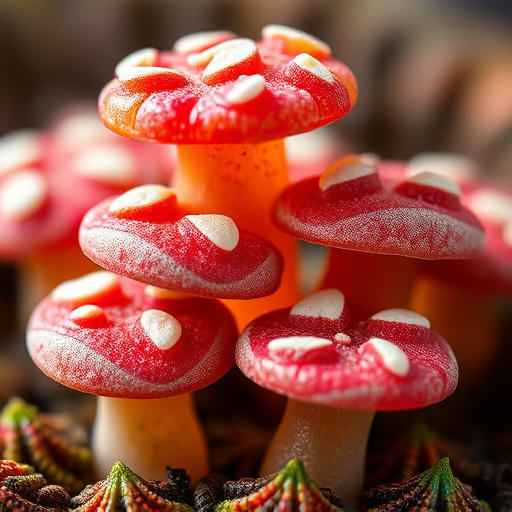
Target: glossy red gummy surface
(191, 106)
(112, 353)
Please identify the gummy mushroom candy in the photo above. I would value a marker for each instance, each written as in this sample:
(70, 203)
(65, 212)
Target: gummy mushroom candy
(142, 351)
(337, 371)
(146, 235)
(435, 490)
(228, 103)
(377, 230)
(49, 178)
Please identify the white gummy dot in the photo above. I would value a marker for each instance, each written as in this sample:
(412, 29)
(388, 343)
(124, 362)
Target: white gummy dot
(162, 328)
(141, 197)
(432, 179)
(22, 194)
(491, 205)
(143, 57)
(327, 303)
(293, 34)
(219, 229)
(348, 171)
(86, 311)
(108, 164)
(295, 346)
(309, 63)
(162, 293)
(342, 338)
(223, 55)
(82, 288)
(20, 148)
(393, 357)
(403, 316)
(200, 40)
(246, 89)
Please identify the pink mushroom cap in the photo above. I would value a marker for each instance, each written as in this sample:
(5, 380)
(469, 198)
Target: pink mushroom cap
(286, 83)
(145, 235)
(351, 207)
(50, 178)
(91, 335)
(315, 352)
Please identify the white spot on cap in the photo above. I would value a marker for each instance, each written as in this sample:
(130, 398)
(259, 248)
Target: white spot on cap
(219, 229)
(18, 149)
(295, 346)
(246, 89)
(451, 165)
(224, 56)
(141, 197)
(393, 357)
(434, 180)
(342, 338)
(491, 205)
(296, 39)
(343, 171)
(309, 63)
(80, 131)
(85, 287)
(108, 164)
(199, 41)
(403, 316)
(163, 329)
(22, 194)
(323, 304)
(127, 74)
(144, 57)
(85, 312)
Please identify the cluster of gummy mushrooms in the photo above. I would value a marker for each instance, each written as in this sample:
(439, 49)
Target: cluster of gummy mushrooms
(172, 282)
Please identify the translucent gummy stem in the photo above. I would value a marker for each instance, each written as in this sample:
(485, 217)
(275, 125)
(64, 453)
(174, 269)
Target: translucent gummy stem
(140, 428)
(331, 443)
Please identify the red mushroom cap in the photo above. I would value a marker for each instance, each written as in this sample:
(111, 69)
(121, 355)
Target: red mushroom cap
(315, 352)
(350, 207)
(90, 335)
(218, 88)
(144, 235)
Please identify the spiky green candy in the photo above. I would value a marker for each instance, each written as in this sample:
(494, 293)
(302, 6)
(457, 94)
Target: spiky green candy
(123, 490)
(290, 490)
(28, 437)
(435, 490)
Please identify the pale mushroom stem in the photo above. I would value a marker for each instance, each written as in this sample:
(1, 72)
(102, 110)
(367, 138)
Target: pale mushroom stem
(242, 181)
(331, 443)
(148, 435)
(372, 281)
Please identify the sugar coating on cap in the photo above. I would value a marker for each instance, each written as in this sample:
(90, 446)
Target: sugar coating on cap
(366, 365)
(131, 345)
(351, 208)
(144, 236)
(229, 89)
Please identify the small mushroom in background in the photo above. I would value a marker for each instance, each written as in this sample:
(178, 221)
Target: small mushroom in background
(147, 235)
(49, 178)
(142, 350)
(228, 103)
(337, 371)
(378, 230)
